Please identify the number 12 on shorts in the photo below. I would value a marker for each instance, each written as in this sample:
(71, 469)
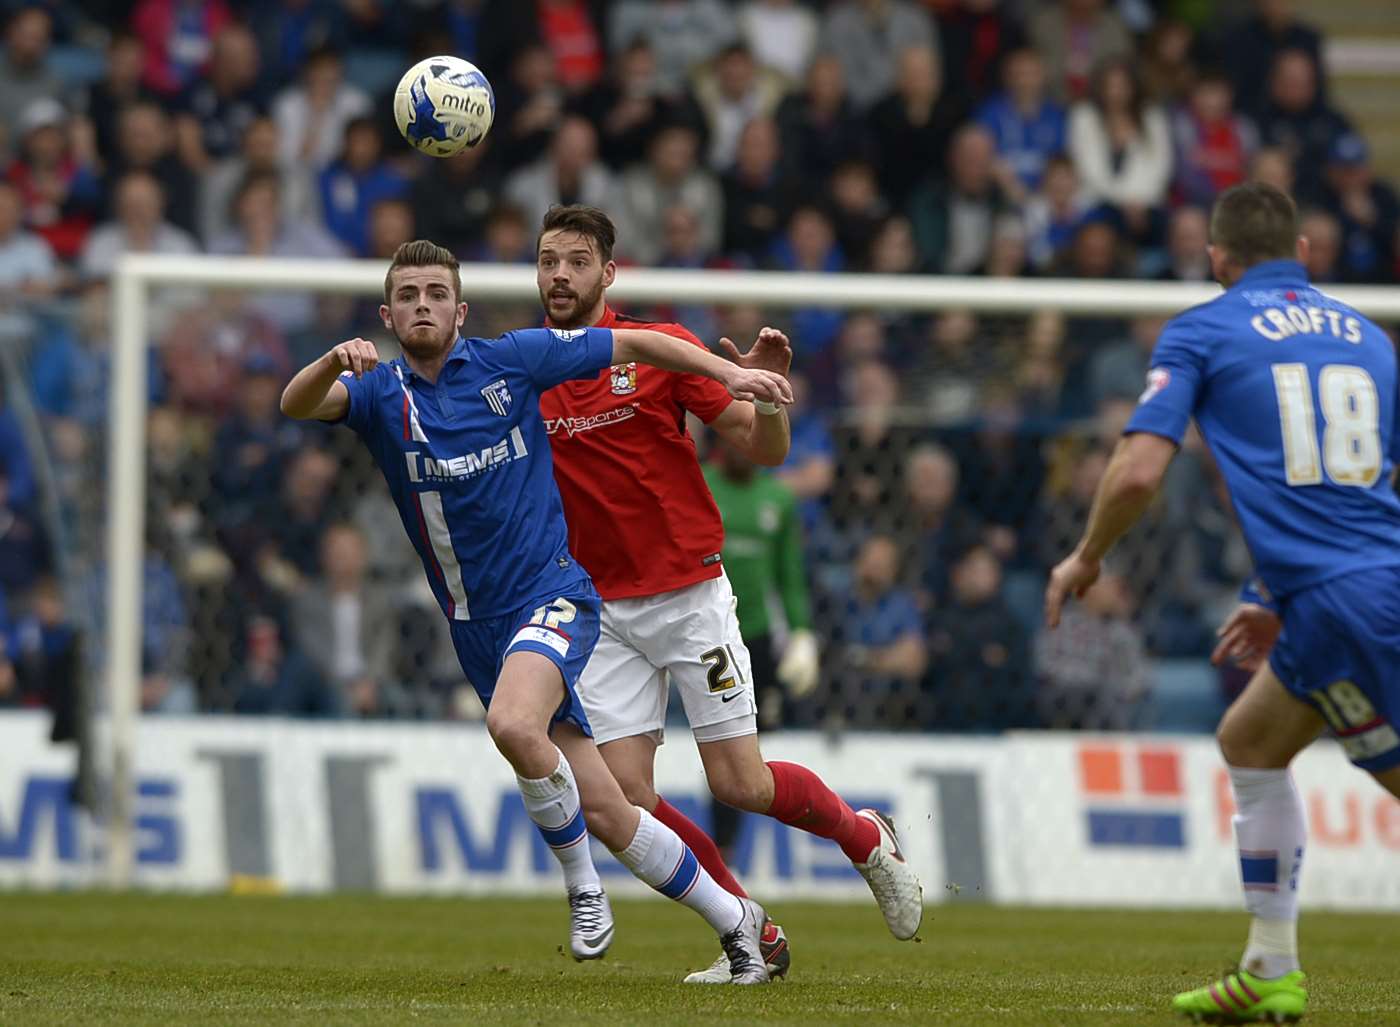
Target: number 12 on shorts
(720, 659)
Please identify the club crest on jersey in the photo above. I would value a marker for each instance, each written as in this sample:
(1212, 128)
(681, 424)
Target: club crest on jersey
(624, 379)
(1157, 379)
(497, 396)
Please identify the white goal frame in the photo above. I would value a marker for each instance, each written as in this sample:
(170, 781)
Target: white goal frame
(137, 274)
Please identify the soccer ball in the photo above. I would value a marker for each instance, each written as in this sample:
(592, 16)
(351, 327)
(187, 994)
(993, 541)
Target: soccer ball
(444, 105)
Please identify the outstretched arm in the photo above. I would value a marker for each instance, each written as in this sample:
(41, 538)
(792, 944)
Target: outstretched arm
(316, 393)
(1126, 490)
(671, 354)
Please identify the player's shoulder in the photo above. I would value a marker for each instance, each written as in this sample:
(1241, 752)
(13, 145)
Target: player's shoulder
(680, 331)
(1200, 327)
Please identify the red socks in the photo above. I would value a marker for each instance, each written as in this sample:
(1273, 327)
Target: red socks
(704, 847)
(801, 799)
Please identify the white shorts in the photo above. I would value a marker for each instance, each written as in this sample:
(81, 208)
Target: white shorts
(689, 636)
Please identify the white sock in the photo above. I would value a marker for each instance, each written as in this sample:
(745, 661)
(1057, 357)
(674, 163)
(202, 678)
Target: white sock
(553, 804)
(657, 855)
(1270, 832)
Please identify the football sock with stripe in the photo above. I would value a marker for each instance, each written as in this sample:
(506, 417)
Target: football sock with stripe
(659, 857)
(704, 847)
(1270, 832)
(801, 799)
(553, 804)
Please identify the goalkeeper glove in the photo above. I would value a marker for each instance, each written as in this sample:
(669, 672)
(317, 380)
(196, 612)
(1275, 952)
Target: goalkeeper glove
(798, 668)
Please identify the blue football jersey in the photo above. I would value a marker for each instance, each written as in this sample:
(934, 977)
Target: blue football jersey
(468, 465)
(1295, 393)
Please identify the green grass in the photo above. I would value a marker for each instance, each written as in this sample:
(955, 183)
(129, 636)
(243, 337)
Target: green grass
(141, 959)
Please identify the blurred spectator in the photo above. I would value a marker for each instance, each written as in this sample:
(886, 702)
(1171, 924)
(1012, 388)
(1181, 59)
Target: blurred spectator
(1188, 235)
(262, 230)
(879, 653)
(295, 525)
(892, 251)
(529, 104)
(566, 30)
(24, 544)
(1324, 235)
(781, 34)
(757, 194)
(569, 173)
(628, 107)
(391, 224)
(872, 446)
(1168, 71)
(1009, 256)
(682, 34)
(139, 227)
(1028, 128)
(1093, 667)
(933, 528)
(204, 356)
(1040, 371)
(353, 183)
(1119, 370)
(912, 126)
(731, 91)
(1075, 37)
(178, 38)
(1121, 146)
(60, 192)
(507, 238)
(809, 468)
(1213, 144)
(46, 655)
(1297, 119)
(257, 153)
(1249, 49)
(311, 115)
(953, 218)
(290, 31)
(453, 196)
(684, 246)
(25, 75)
(975, 37)
(147, 143)
(818, 126)
(254, 442)
(858, 209)
(272, 679)
(119, 87)
(1273, 166)
(16, 463)
(1053, 215)
(347, 628)
(27, 265)
(1096, 250)
(671, 177)
(867, 36)
(1367, 210)
(215, 112)
(979, 656)
(809, 244)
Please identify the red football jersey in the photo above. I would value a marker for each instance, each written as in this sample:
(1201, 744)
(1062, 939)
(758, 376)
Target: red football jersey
(641, 518)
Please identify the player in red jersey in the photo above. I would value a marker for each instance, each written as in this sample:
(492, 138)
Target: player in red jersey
(643, 524)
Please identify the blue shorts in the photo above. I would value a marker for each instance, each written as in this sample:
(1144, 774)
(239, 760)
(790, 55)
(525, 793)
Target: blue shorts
(1340, 652)
(562, 628)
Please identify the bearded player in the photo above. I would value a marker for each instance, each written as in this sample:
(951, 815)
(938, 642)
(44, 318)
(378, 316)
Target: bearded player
(455, 429)
(643, 523)
(1295, 392)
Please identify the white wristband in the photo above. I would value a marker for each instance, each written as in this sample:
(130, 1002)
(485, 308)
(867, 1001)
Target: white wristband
(765, 408)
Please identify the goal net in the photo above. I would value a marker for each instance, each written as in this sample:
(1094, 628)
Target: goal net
(949, 438)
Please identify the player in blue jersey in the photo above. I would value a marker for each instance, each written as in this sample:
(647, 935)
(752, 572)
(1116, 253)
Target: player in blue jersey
(1295, 393)
(454, 426)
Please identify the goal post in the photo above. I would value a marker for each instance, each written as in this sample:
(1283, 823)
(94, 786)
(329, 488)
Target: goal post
(138, 274)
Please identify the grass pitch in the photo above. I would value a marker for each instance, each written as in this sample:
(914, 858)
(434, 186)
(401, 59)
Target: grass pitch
(143, 959)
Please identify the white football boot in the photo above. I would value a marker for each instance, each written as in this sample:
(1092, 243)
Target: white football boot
(590, 924)
(743, 946)
(893, 882)
(776, 957)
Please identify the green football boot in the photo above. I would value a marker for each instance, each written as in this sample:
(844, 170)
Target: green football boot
(1241, 997)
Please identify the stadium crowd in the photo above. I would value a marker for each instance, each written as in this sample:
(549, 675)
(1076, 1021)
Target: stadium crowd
(939, 464)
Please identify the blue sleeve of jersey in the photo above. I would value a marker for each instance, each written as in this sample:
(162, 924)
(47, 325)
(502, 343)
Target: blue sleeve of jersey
(361, 395)
(1173, 383)
(554, 355)
(1253, 591)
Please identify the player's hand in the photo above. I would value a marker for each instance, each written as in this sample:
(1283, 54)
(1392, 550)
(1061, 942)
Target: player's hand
(771, 351)
(358, 356)
(800, 666)
(1071, 577)
(756, 384)
(1247, 636)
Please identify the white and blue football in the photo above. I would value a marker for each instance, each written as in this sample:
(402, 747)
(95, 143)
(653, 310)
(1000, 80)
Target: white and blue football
(444, 105)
